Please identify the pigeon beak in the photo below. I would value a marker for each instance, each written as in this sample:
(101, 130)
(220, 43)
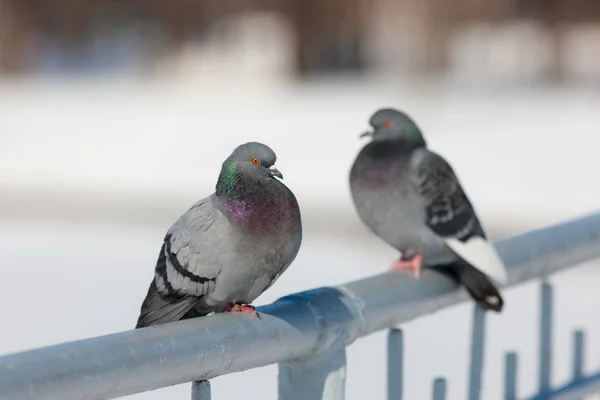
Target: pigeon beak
(368, 133)
(275, 172)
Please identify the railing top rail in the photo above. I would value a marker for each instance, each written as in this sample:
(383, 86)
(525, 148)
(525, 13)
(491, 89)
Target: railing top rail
(293, 327)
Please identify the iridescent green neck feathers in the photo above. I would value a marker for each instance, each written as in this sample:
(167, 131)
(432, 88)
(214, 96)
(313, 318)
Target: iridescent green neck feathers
(228, 180)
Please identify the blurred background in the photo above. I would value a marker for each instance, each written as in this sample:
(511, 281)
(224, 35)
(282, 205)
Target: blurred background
(115, 117)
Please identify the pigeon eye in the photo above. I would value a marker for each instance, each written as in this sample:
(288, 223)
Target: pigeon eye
(255, 161)
(386, 124)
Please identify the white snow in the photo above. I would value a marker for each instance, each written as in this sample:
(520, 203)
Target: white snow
(511, 149)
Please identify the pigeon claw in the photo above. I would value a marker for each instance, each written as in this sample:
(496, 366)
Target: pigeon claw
(415, 265)
(245, 308)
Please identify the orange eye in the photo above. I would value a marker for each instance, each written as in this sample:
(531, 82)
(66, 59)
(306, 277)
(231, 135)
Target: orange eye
(255, 161)
(386, 124)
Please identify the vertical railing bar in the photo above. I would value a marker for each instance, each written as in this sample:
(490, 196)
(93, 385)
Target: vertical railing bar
(439, 389)
(319, 377)
(578, 351)
(477, 349)
(395, 360)
(201, 390)
(545, 348)
(510, 376)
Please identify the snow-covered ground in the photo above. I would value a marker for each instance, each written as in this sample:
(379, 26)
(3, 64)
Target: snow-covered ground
(93, 173)
(530, 154)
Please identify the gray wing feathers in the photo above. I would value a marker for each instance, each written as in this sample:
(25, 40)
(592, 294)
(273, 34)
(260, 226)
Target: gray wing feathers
(451, 216)
(158, 310)
(191, 250)
(449, 212)
(187, 267)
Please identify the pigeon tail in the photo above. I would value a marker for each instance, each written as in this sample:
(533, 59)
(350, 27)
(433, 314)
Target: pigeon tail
(479, 286)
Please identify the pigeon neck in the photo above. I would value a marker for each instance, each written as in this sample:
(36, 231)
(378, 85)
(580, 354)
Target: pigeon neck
(235, 188)
(399, 144)
(266, 209)
(228, 181)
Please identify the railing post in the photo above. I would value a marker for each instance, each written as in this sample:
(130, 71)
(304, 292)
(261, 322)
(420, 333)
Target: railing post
(578, 352)
(201, 390)
(510, 377)
(320, 377)
(439, 389)
(477, 349)
(395, 358)
(545, 338)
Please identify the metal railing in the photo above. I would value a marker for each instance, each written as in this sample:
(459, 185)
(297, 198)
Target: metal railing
(306, 333)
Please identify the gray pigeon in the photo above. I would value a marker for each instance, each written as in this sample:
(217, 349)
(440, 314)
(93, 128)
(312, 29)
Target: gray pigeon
(411, 198)
(229, 247)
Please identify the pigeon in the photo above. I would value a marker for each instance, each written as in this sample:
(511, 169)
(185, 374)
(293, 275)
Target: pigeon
(229, 247)
(411, 198)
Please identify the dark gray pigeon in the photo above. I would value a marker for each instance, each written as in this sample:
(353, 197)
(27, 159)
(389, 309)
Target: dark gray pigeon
(411, 198)
(229, 247)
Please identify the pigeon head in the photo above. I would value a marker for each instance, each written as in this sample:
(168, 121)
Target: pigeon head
(249, 162)
(388, 124)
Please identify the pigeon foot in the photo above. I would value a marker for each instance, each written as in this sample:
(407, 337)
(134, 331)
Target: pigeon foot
(415, 265)
(245, 308)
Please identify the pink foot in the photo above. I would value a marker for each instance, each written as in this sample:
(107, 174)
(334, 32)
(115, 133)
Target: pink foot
(413, 265)
(246, 308)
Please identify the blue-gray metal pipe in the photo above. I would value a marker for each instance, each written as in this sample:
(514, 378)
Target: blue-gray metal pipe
(293, 327)
(439, 389)
(574, 390)
(319, 377)
(510, 376)
(578, 354)
(545, 346)
(201, 390)
(477, 350)
(395, 364)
